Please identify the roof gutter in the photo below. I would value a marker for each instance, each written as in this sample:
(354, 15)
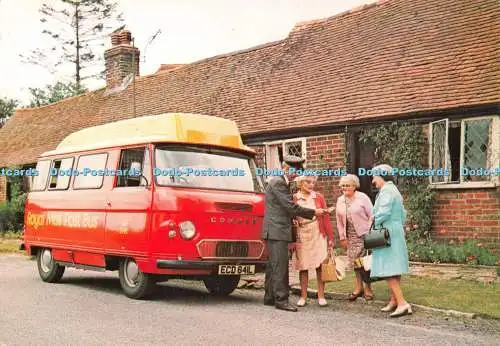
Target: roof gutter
(420, 117)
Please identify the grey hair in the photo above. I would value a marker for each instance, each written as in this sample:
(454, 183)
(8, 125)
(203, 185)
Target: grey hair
(298, 180)
(349, 178)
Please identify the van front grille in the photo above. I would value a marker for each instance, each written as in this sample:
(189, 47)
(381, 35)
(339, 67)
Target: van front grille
(231, 249)
(221, 249)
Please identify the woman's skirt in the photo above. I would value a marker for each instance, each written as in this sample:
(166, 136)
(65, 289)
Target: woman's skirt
(355, 245)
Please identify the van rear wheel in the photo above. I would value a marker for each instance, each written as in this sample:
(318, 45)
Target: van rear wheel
(135, 284)
(48, 269)
(221, 285)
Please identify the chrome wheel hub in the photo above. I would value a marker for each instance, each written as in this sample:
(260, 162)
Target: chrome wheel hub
(46, 262)
(131, 273)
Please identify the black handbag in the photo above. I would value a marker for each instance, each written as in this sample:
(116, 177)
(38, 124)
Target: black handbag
(377, 238)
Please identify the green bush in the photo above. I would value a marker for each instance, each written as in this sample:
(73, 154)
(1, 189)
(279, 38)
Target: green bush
(12, 215)
(468, 252)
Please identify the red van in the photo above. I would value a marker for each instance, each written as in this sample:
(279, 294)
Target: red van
(157, 197)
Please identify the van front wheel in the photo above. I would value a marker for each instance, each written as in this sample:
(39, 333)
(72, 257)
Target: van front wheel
(48, 269)
(135, 284)
(221, 285)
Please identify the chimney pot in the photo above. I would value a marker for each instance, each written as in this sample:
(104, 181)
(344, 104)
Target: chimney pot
(125, 37)
(115, 39)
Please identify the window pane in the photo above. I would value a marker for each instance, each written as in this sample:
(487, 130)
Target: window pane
(60, 179)
(294, 148)
(439, 149)
(202, 161)
(477, 148)
(40, 180)
(127, 157)
(90, 164)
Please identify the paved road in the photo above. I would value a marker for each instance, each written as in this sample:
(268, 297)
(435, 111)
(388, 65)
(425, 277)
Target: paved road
(88, 308)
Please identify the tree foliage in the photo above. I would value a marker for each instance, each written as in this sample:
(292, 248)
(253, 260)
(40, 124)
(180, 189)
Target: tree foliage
(7, 108)
(76, 28)
(53, 93)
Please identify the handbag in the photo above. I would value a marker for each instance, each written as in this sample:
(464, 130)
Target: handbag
(328, 269)
(363, 266)
(377, 238)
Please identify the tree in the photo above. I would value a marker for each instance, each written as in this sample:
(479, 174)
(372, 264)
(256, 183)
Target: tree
(53, 93)
(76, 28)
(7, 108)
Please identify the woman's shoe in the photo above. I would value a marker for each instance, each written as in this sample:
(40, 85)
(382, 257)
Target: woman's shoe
(389, 307)
(368, 297)
(301, 302)
(353, 296)
(402, 310)
(322, 302)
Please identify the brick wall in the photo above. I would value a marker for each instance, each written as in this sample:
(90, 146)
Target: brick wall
(468, 213)
(323, 152)
(326, 152)
(3, 189)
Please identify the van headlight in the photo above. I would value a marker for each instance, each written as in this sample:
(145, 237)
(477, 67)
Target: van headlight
(187, 229)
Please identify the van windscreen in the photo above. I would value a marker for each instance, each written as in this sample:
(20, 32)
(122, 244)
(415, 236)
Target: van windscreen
(199, 167)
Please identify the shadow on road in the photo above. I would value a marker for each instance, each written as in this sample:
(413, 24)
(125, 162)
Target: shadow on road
(173, 292)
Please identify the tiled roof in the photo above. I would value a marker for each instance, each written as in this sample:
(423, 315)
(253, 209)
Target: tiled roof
(390, 58)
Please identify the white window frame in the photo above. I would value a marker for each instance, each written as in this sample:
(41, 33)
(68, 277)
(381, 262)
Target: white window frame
(431, 152)
(494, 181)
(283, 146)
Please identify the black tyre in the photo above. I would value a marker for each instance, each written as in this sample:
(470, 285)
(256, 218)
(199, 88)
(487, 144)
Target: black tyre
(48, 269)
(221, 285)
(135, 284)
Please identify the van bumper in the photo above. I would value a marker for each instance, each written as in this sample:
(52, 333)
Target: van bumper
(176, 264)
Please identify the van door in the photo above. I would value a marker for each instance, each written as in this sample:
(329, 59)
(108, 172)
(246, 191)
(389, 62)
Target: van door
(128, 212)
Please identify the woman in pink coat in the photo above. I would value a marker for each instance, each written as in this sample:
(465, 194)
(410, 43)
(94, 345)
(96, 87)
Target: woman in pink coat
(354, 211)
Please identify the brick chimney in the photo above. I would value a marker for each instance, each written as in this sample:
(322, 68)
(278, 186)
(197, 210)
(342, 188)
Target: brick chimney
(122, 59)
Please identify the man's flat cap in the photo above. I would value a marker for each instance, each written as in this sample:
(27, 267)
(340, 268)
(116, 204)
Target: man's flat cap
(293, 160)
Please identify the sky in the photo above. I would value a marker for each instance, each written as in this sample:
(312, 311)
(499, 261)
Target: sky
(191, 30)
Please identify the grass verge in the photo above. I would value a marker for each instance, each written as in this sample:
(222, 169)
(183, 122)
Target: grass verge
(460, 295)
(9, 245)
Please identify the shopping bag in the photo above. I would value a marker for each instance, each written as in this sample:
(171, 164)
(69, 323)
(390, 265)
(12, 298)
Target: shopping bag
(328, 269)
(340, 268)
(363, 266)
(367, 262)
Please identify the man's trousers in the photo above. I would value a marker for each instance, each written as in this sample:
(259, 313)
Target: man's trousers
(276, 282)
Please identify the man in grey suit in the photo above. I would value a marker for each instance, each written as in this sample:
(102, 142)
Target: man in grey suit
(277, 230)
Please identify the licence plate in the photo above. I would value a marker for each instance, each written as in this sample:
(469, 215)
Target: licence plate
(236, 269)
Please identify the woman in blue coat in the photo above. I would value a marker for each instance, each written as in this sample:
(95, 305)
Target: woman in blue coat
(390, 262)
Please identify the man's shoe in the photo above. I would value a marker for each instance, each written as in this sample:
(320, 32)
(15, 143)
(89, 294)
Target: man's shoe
(286, 307)
(269, 302)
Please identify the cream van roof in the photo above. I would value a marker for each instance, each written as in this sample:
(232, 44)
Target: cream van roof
(170, 127)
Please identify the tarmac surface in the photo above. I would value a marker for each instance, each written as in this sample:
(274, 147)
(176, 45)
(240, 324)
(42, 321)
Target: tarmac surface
(88, 308)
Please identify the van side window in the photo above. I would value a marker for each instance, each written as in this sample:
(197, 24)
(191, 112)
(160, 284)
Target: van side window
(90, 168)
(60, 174)
(40, 180)
(127, 157)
